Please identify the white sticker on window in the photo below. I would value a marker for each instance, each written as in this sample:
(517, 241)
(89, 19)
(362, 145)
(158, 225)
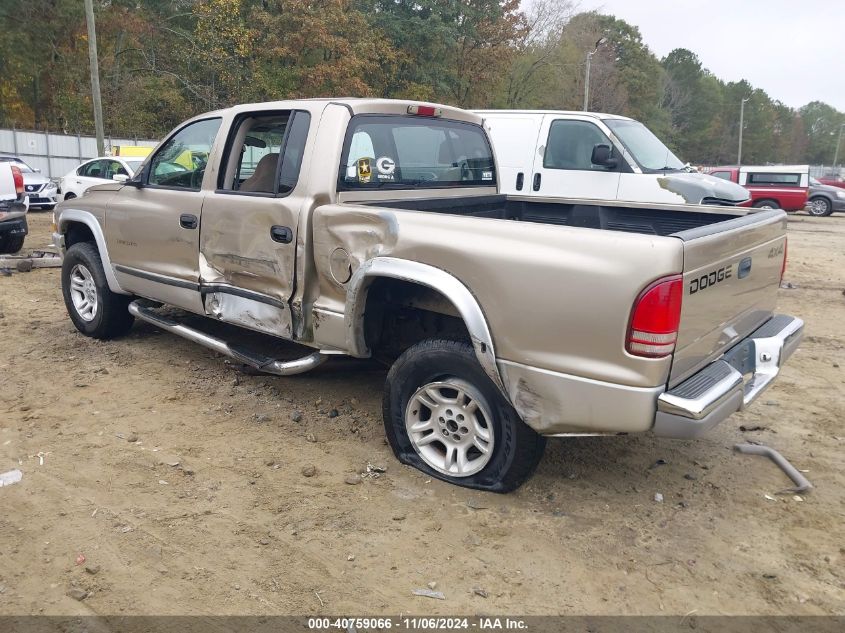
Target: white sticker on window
(386, 165)
(486, 175)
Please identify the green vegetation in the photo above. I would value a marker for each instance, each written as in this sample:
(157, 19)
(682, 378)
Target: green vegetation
(162, 61)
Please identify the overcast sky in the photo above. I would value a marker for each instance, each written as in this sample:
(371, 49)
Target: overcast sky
(792, 49)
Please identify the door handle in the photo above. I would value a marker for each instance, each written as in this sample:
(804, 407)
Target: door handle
(281, 234)
(520, 178)
(188, 221)
(536, 185)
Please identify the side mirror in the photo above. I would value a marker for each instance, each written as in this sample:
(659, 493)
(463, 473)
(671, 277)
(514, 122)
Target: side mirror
(120, 177)
(603, 155)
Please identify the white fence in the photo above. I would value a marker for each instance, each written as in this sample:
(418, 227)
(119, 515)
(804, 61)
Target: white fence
(827, 171)
(56, 154)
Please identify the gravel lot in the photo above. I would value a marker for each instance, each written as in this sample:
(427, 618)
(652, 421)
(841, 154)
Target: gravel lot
(190, 487)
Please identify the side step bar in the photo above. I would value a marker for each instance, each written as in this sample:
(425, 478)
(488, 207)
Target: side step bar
(262, 363)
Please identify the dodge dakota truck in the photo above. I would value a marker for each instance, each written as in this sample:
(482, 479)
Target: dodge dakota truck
(13, 208)
(375, 228)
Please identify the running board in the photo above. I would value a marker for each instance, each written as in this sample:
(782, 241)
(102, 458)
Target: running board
(247, 357)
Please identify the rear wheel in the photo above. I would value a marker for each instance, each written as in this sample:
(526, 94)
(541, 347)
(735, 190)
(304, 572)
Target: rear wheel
(95, 310)
(820, 207)
(766, 204)
(444, 416)
(11, 243)
(70, 195)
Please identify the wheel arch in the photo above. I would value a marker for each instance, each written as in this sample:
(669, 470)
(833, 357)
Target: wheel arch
(75, 226)
(429, 277)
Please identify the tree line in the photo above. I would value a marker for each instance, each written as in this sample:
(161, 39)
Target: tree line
(162, 61)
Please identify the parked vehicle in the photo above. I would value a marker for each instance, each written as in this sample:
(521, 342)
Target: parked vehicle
(772, 187)
(13, 207)
(824, 199)
(96, 172)
(833, 182)
(41, 191)
(374, 228)
(595, 156)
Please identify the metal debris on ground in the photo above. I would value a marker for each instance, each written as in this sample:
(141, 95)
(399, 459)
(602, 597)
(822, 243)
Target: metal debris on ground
(35, 259)
(374, 472)
(801, 482)
(428, 593)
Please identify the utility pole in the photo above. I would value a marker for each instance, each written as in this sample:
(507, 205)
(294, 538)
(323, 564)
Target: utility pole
(741, 122)
(838, 143)
(95, 76)
(587, 74)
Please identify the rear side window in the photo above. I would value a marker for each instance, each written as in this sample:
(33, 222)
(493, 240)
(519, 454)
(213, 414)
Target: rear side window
(724, 175)
(570, 145)
(792, 180)
(264, 153)
(94, 169)
(409, 151)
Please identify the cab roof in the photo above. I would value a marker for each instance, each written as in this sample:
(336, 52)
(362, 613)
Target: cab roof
(580, 113)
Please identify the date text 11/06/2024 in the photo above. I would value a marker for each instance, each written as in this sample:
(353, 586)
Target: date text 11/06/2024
(418, 624)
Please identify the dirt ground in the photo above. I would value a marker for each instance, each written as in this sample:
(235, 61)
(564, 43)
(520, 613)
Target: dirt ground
(180, 480)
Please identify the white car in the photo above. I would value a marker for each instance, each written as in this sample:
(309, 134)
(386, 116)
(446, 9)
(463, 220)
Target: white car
(96, 172)
(41, 191)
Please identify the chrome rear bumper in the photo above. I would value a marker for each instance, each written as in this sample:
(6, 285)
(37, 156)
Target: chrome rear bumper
(720, 389)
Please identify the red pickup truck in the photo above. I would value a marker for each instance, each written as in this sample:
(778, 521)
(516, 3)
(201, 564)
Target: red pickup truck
(772, 187)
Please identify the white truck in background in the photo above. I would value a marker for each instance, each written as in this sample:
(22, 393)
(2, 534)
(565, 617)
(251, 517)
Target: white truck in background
(13, 207)
(592, 156)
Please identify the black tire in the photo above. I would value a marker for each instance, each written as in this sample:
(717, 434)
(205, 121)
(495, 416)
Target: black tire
(766, 204)
(820, 206)
(517, 448)
(112, 318)
(10, 244)
(69, 195)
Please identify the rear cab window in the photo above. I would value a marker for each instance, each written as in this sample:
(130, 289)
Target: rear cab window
(401, 152)
(776, 180)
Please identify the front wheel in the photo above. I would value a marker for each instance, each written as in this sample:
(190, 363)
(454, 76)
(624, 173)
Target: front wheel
(766, 204)
(10, 244)
(820, 207)
(444, 416)
(95, 310)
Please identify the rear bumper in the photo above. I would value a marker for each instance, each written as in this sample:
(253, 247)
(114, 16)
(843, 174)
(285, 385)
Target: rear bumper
(721, 389)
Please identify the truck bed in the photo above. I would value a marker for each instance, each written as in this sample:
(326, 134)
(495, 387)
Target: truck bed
(633, 218)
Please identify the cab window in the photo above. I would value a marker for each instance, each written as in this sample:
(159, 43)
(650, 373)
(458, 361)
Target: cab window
(181, 161)
(570, 145)
(724, 175)
(264, 153)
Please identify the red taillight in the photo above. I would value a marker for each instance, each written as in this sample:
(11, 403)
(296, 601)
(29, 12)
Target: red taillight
(783, 265)
(18, 178)
(420, 110)
(655, 318)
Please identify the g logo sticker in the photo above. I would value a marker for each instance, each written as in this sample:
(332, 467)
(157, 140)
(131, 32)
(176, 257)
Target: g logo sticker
(386, 165)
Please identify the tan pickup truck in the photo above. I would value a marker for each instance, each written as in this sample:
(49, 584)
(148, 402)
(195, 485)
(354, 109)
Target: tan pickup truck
(374, 228)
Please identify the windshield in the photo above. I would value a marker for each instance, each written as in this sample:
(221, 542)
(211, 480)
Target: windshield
(648, 150)
(408, 151)
(133, 165)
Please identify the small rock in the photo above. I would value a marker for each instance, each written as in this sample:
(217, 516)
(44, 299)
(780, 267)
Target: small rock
(309, 437)
(76, 593)
(296, 416)
(659, 462)
(478, 591)
(269, 462)
(351, 557)
(690, 477)
(353, 480)
(836, 365)
(24, 266)
(398, 517)
(264, 540)
(658, 497)
(92, 569)
(432, 585)
(333, 413)
(261, 418)
(132, 438)
(771, 403)
(309, 471)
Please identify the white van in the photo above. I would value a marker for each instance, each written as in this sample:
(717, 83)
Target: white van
(586, 155)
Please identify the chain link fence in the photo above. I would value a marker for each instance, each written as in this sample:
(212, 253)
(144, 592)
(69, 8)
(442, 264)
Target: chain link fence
(57, 154)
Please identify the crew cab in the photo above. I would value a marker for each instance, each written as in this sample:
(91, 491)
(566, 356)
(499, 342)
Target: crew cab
(375, 228)
(594, 156)
(772, 186)
(13, 207)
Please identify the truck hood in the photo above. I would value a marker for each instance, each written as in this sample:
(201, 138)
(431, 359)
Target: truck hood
(703, 188)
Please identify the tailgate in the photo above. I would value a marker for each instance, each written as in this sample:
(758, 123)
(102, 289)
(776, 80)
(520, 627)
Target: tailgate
(731, 276)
